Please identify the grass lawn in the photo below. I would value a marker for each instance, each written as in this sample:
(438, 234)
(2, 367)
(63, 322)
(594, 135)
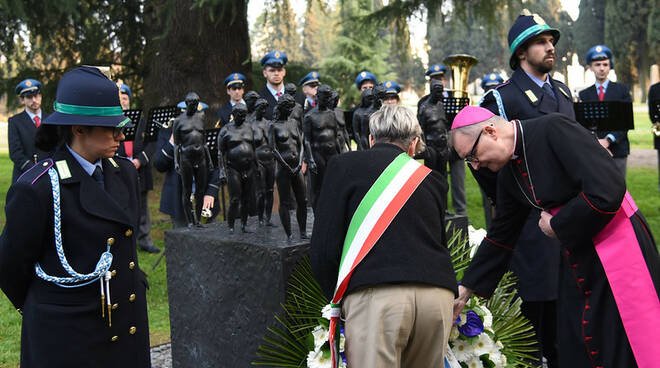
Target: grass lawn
(642, 183)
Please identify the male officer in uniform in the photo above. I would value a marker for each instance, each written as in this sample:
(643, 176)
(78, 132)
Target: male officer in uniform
(310, 84)
(140, 154)
(392, 90)
(599, 59)
(436, 72)
(23, 126)
(365, 80)
(235, 84)
(530, 93)
(274, 72)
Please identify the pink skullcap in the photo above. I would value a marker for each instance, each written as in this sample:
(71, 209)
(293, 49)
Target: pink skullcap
(471, 115)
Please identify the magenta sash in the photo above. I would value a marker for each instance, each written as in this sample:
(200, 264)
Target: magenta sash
(631, 283)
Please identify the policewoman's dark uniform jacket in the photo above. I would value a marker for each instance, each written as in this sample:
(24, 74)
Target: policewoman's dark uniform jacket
(413, 249)
(20, 136)
(614, 92)
(567, 168)
(63, 327)
(536, 261)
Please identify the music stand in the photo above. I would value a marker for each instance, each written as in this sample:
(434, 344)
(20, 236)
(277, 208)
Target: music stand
(453, 105)
(211, 136)
(135, 116)
(156, 118)
(655, 111)
(605, 115)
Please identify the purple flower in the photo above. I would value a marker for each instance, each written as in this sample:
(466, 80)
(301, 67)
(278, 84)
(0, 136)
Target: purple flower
(473, 326)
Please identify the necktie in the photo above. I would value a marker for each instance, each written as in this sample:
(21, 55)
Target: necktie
(548, 90)
(601, 93)
(37, 121)
(98, 176)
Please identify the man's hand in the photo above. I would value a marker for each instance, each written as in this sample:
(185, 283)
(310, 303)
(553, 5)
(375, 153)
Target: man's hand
(136, 163)
(463, 296)
(208, 202)
(544, 224)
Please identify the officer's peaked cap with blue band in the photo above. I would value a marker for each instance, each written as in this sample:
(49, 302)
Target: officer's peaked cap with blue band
(492, 79)
(235, 79)
(526, 27)
(436, 69)
(600, 52)
(27, 87)
(311, 77)
(365, 76)
(275, 59)
(85, 96)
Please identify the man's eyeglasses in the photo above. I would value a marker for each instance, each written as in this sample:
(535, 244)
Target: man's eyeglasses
(471, 157)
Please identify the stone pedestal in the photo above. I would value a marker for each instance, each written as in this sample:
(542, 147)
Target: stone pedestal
(224, 290)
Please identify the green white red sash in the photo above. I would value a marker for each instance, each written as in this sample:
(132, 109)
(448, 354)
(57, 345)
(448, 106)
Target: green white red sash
(376, 211)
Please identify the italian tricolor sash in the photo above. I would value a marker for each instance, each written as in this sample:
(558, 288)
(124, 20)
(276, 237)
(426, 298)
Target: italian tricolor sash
(376, 211)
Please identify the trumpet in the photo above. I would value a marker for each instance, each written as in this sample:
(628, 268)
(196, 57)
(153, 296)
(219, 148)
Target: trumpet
(656, 129)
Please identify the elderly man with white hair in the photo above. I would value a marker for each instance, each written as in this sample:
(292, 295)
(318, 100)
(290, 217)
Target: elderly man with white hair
(610, 271)
(379, 248)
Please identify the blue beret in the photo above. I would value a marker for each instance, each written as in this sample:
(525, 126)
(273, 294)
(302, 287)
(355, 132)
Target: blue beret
(200, 106)
(274, 58)
(600, 52)
(125, 90)
(311, 77)
(492, 79)
(28, 86)
(436, 69)
(234, 78)
(527, 26)
(85, 96)
(391, 87)
(364, 76)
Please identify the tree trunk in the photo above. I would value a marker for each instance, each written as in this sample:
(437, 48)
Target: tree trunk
(207, 51)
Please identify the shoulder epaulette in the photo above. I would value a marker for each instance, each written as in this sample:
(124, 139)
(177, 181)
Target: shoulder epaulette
(36, 171)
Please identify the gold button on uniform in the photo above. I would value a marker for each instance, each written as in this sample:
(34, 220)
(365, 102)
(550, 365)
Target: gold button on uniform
(115, 306)
(131, 298)
(129, 232)
(132, 330)
(111, 241)
(114, 338)
(131, 265)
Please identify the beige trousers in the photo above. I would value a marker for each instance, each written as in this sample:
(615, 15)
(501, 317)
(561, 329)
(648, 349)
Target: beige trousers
(397, 326)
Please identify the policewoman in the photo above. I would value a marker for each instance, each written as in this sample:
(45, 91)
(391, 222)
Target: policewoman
(68, 259)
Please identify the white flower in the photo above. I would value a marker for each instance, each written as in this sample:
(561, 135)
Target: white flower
(325, 312)
(315, 360)
(320, 336)
(474, 363)
(483, 345)
(462, 350)
(453, 334)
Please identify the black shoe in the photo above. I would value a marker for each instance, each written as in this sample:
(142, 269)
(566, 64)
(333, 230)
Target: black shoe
(150, 249)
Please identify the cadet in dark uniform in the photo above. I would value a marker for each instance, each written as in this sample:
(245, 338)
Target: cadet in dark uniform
(529, 93)
(68, 256)
(488, 82)
(654, 96)
(599, 59)
(23, 126)
(235, 84)
(140, 154)
(309, 84)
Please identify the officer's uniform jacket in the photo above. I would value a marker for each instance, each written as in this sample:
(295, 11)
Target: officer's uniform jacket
(614, 92)
(64, 327)
(536, 260)
(20, 136)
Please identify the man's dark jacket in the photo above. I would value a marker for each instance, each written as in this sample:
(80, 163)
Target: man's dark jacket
(20, 136)
(413, 249)
(614, 92)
